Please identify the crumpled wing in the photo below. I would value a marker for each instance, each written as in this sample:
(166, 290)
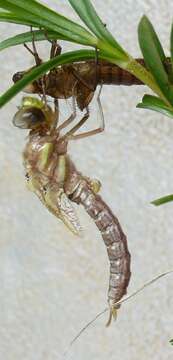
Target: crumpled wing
(58, 203)
(67, 214)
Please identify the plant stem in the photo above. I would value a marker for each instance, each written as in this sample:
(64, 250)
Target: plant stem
(142, 74)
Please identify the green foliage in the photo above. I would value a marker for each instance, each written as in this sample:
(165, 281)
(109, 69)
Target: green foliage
(87, 13)
(146, 29)
(171, 44)
(154, 57)
(38, 15)
(28, 36)
(156, 104)
(162, 200)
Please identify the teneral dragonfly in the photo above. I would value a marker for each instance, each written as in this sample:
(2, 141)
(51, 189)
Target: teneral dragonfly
(53, 177)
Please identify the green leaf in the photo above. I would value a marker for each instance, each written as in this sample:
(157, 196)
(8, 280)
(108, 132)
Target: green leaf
(11, 7)
(172, 48)
(28, 37)
(154, 56)
(171, 341)
(87, 13)
(146, 26)
(79, 55)
(156, 104)
(48, 19)
(162, 200)
(11, 18)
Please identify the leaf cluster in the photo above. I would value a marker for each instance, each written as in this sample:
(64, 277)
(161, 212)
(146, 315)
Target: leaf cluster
(46, 23)
(160, 67)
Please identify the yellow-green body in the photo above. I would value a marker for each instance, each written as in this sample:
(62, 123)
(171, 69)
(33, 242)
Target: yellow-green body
(48, 170)
(50, 173)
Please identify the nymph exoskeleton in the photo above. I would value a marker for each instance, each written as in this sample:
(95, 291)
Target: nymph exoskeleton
(53, 177)
(65, 81)
(79, 80)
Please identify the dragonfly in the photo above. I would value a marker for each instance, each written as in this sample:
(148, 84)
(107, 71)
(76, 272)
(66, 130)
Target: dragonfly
(53, 177)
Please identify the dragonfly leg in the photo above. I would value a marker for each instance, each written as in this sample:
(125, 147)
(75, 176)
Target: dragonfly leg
(86, 134)
(38, 62)
(69, 135)
(56, 112)
(71, 117)
(96, 68)
(55, 49)
(83, 120)
(34, 52)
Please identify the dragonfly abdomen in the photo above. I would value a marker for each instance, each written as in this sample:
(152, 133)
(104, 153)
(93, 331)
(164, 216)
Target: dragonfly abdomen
(113, 237)
(111, 74)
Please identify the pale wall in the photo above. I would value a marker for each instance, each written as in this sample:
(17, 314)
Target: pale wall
(52, 283)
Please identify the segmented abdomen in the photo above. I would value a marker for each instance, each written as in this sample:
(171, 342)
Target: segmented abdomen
(114, 239)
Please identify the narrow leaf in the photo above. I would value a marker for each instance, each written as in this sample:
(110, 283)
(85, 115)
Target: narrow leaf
(33, 21)
(49, 19)
(153, 55)
(162, 200)
(172, 48)
(88, 14)
(148, 27)
(12, 18)
(156, 104)
(11, 7)
(28, 36)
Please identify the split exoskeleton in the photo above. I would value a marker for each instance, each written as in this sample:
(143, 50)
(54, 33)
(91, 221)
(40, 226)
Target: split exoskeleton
(53, 177)
(79, 80)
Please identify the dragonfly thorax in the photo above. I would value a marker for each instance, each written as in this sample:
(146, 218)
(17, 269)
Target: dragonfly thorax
(47, 156)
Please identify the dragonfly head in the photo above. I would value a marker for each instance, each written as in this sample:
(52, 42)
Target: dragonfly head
(34, 114)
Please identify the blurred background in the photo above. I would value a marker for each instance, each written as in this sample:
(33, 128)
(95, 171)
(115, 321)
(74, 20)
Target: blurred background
(51, 282)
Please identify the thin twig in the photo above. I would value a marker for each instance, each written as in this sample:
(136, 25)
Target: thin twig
(148, 283)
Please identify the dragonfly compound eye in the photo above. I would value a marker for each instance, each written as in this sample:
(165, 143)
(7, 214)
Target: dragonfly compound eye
(29, 118)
